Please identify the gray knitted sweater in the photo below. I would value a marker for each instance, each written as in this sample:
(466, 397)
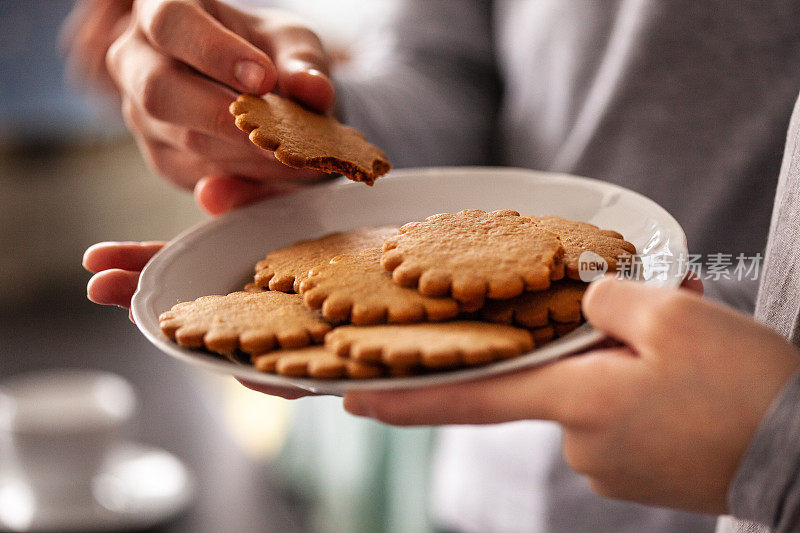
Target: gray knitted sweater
(685, 101)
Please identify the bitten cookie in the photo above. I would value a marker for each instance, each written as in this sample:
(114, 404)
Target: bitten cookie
(439, 345)
(254, 322)
(474, 254)
(560, 303)
(302, 138)
(284, 269)
(315, 362)
(579, 237)
(355, 288)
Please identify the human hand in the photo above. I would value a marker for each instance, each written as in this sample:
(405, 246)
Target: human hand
(663, 420)
(86, 36)
(117, 266)
(179, 65)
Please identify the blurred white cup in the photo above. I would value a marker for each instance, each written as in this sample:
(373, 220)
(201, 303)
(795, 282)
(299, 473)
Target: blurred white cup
(58, 427)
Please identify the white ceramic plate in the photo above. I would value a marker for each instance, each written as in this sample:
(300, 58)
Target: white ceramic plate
(217, 256)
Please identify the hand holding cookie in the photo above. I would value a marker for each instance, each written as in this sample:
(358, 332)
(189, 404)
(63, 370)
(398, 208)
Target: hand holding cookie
(179, 65)
(514, 269)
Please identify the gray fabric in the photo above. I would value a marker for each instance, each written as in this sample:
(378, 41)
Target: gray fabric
(729, 524)
(425, 89)
(684, 101)
(779, 295)
(766, 489)
(739, 294)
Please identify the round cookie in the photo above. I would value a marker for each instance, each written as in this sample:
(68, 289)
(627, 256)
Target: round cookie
(560, 303)
(563, 328)
(254, 322)
(579, 237)
(252, 287)
(431, 345)
(284, 269)
(354, 288)
(543, 335)
(315, 362)
(302, 138)
(474, 254)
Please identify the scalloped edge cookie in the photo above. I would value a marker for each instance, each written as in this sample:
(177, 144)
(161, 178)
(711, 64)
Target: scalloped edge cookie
(286, 268)
(474, 254)
(355, 288)
(431, 345)
(303, 139)
(253, 322)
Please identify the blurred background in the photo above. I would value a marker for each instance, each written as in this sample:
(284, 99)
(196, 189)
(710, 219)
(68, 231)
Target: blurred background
(70, 176)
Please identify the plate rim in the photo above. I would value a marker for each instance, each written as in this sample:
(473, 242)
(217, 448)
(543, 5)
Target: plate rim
(563, 347)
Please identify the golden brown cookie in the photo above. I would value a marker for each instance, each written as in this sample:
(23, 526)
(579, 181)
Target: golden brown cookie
(301, 138)
(254, 322)
(543, 335)
(315, 362)
(284, 269)
(474, 254)
(439, 345)
(252, 287)
(354, 287)
(579, 237)
(560, 303)
(563, 328)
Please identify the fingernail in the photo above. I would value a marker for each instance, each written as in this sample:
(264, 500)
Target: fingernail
(250, 74)
(315, 72)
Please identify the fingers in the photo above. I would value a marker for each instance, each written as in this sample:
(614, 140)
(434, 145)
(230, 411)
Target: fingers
(302, 67)
(220, 194)
(117, 266)
(692, 282)
(167, 91)
(618, 308)
(181, 168)
(184, 30)
(87, 34)
(113, 287)
(175, 68)
(287, 393)
(310, 87)
(120, 255)
(568, 391)
(299, 56)
(186, 167)
(641, 316)
(182, 142)
(210, 147)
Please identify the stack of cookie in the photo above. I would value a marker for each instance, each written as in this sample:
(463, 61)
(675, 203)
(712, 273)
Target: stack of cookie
(453, 290)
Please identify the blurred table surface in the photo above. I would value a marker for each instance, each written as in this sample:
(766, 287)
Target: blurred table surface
(54, 202)
(176, 412)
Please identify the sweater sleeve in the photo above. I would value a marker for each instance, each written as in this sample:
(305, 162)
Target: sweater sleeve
(424, 88)
(766, 487)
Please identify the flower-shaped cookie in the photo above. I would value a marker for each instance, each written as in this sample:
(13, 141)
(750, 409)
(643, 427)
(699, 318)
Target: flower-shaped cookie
(254, 322)
(301, 138)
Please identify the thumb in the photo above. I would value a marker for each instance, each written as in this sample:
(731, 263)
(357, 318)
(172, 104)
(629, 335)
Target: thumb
(187, 32)
(300, 59)
(220, 194)
(565, 391)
